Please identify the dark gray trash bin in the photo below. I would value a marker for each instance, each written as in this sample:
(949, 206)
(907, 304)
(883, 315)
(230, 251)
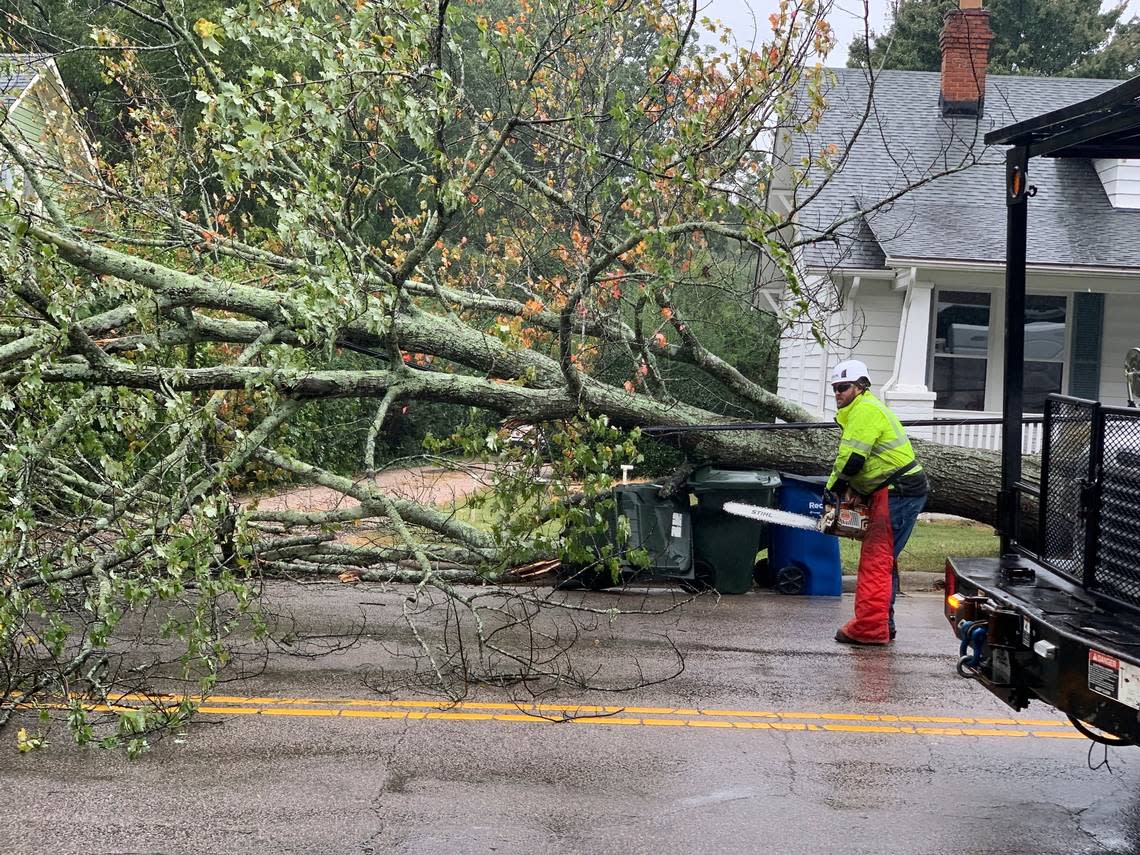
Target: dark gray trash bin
(661, 527)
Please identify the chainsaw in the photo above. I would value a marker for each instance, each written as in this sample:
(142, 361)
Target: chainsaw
(849, 518)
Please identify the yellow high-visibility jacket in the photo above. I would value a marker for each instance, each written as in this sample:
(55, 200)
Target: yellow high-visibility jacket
(872, 430)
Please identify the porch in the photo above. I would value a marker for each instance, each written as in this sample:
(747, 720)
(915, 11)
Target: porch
(959, 431)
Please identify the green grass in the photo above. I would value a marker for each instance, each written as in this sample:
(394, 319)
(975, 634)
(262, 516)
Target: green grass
(931, 543)
(484, 518)
(480, 517)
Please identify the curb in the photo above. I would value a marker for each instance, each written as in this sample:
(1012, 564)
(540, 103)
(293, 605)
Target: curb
(909, 581)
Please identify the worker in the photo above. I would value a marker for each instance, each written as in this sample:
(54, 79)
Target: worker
(876, 464)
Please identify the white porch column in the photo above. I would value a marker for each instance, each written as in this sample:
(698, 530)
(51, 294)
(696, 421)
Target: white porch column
(906, 393)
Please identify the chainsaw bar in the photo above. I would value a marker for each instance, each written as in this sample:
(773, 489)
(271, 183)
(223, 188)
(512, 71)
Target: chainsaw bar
(772, 515)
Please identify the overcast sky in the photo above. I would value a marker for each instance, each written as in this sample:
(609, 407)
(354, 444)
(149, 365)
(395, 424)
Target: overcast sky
(745, 16)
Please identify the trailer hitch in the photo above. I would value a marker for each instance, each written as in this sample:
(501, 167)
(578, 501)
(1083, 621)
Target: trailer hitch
(973, 635)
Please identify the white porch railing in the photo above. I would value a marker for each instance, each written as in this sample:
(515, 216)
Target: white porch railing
(965, 435)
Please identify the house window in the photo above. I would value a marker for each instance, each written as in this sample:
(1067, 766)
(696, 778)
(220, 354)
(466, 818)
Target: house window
(1044, 349)
(961, 348)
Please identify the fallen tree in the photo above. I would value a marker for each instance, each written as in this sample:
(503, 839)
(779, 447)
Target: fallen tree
(519, 210)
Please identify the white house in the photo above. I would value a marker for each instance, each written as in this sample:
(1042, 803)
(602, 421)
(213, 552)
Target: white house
(917, 286)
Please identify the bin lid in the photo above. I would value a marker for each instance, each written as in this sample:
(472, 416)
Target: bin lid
(710, 478)
(815, 480)
(646, 488)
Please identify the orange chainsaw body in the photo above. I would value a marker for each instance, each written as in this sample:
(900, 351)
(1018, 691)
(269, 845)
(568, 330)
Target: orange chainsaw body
(850, 518)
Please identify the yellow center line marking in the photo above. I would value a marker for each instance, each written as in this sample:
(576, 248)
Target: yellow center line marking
(571, 710)
(615, 716)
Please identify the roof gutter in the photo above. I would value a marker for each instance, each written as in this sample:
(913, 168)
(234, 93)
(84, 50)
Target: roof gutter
(999, 266)
(862, 272)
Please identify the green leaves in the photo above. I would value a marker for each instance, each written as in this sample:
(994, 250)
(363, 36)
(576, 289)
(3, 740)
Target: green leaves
(551, 487)
(339, 201)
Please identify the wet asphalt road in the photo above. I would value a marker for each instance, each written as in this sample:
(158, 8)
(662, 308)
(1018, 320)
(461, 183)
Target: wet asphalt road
(771, 739)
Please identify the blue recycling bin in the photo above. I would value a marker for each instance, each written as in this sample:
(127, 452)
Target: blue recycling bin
(802, 561)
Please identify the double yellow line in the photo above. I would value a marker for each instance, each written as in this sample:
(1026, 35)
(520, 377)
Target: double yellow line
(628, 716)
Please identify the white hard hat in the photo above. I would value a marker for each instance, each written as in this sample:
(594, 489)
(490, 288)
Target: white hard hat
(849, 371)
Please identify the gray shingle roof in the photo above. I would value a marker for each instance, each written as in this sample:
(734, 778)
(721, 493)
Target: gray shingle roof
(961, 216)
(17, 71)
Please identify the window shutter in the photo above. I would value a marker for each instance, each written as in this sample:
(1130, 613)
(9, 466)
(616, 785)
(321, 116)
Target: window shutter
(1088, 324)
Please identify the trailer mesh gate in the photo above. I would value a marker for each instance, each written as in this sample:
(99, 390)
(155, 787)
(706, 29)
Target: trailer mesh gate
(1090, 496)
(1116, 571)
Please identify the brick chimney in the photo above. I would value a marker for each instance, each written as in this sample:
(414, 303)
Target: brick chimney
(965, 43)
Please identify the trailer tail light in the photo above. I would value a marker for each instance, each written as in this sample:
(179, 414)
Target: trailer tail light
(953, 599)
(953, 603)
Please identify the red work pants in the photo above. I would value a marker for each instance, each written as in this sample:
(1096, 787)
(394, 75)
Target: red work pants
(874, 583)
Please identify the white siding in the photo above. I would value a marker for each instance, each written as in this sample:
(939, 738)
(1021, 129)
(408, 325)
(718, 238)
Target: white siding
(800, 358)
(800, 364)
(872, 333)
(1121, 332)
(788, 375)
(867, 329)
(879, 313)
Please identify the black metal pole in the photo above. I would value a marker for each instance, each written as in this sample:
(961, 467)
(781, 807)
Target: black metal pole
(1017, 223)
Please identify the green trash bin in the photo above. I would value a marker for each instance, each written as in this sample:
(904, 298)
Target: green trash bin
(662, 527)
(725, 545)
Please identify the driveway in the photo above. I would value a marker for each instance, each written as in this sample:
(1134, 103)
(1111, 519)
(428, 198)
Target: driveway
(428, 484)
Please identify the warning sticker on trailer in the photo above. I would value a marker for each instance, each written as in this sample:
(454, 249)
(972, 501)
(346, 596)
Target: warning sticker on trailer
(1114, 679)
(1104, 674)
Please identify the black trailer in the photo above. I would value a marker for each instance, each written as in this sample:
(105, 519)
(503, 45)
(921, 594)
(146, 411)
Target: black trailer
(1057, 618)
